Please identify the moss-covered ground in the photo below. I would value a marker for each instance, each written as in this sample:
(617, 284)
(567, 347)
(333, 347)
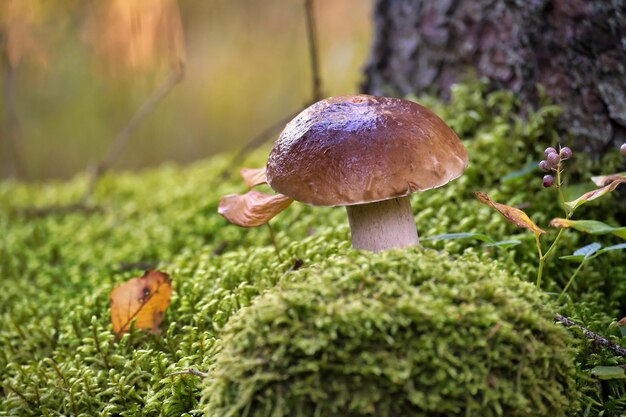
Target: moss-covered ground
(58, 355)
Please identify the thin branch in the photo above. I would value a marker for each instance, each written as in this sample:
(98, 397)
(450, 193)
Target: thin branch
(591, 335)
(311, 29)
(190, 371)
(317, 93)
(274, 241)
(120, 142)
(44, 211)
(259, 140)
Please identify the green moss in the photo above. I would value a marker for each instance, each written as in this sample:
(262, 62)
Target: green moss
(402, 333)
(57, 352)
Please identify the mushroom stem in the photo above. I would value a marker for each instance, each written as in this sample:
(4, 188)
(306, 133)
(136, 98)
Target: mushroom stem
(382, 225)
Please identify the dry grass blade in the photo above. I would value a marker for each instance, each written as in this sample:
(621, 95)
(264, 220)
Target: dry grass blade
(253, 176)
(514, 215)
(142, 300)
(253, 208)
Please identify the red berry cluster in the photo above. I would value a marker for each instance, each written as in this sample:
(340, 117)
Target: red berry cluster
(552, 162)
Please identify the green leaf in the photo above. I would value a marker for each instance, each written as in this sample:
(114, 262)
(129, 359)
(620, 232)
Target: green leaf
(452, 236)
(622, 330)
(583, 253)
(612, 248)
(609, 372)
(525, 170)
(593, 227)
(504, 243)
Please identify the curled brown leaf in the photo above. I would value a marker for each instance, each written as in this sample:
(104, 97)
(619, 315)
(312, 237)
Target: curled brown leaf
(603, 180)
(514, 215)
(597, 193)
(252, 208)
(253, 176)
(142, 300)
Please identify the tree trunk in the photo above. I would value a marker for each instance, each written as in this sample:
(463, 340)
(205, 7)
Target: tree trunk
(576, 49)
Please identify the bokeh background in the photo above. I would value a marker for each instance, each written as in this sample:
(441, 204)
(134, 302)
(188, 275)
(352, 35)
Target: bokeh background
(74, 73)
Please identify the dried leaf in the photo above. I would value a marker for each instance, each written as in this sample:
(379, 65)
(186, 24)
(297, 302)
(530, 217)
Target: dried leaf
(253, 208)
(592, 195)
(513, 214)
(142, 300)
(253, 176)
(560, 223)
(603, 180)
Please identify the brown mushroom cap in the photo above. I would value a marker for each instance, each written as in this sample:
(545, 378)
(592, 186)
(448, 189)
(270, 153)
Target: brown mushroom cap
(361, 149)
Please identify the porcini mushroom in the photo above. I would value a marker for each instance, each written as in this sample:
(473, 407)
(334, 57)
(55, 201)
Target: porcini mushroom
(367, 153)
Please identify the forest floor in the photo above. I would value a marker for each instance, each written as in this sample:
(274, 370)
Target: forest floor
(59, 356)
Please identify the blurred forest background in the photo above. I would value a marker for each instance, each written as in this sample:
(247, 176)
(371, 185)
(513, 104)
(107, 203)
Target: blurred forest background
(74, 72)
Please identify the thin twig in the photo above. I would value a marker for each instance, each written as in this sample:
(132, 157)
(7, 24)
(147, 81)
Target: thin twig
(274, 242)
(311, 30)
(190, 371)
(316, 94)
(255, 142)
(120, 142)
(591, 335)
(44, 211)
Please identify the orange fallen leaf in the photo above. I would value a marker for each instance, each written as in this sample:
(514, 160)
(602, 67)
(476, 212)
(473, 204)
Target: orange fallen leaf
(512, 214)
(142, 300)
(253, 176)
(252, 208)
(597, 193)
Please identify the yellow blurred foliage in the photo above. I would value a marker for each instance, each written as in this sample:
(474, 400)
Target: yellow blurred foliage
(19, 20)
(135, 35)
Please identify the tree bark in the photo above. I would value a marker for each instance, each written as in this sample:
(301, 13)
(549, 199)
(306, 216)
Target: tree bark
(575, 49)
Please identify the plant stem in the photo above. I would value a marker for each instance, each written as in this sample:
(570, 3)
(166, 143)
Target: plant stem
(568, 215)
(559, 186)
(314, 56)
(541, 260)
(571, 280)
(274, 242)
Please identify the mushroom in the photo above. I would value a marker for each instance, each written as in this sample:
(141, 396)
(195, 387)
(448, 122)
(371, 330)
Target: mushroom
(367, 153)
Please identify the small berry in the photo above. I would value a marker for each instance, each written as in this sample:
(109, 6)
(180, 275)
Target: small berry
(566, 153)
(549, 150)
(622, 149)
(548, 180)
(544, 165)
(553, 160)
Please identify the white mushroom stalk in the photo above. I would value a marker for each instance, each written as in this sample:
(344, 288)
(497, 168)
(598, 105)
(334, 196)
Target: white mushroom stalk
(382, 225)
